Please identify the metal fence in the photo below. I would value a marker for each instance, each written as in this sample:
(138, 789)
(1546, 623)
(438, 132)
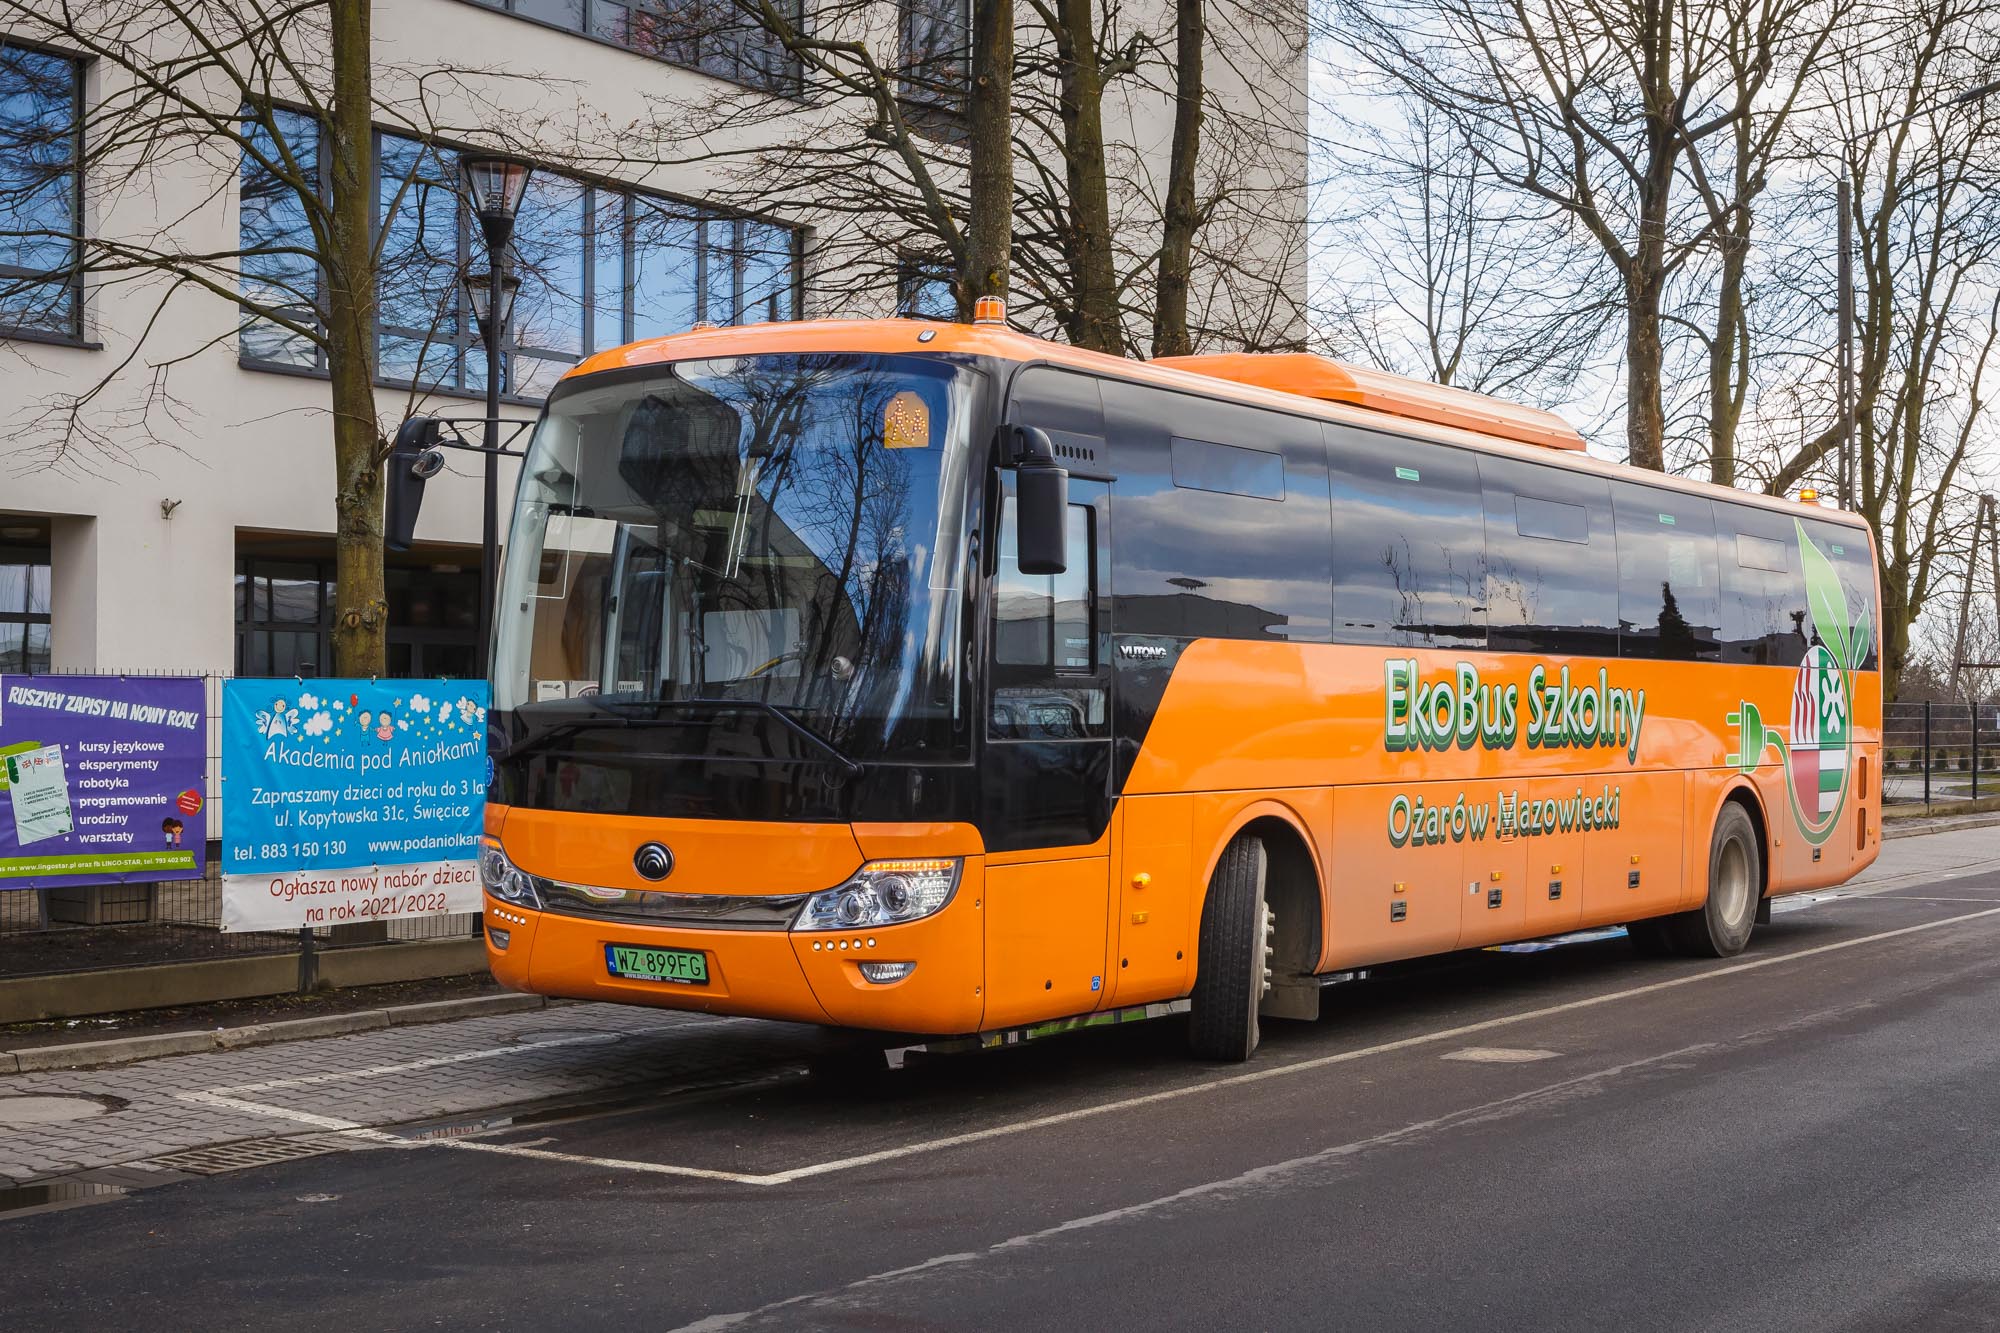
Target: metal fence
(83, 928)
(1938, 754)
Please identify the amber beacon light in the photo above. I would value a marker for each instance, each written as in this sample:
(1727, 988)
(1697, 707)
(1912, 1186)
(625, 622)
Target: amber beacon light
(989, 310)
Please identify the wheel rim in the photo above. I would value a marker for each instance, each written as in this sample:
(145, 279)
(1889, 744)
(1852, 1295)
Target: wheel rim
(1732, 881)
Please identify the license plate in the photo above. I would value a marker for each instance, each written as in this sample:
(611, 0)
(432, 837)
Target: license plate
(687, 967)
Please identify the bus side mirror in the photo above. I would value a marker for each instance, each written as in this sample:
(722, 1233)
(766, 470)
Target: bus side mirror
(413, 460)
(1041, 503)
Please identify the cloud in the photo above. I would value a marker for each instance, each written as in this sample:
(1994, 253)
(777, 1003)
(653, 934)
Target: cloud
(419, 704)
(309, 701)
(318, 724)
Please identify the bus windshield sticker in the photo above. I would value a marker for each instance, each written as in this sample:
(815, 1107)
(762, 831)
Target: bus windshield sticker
(1667, 519)
(1407, 474)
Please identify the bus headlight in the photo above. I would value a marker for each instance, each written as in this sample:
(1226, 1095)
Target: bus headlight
(503, 879)
(883, 893)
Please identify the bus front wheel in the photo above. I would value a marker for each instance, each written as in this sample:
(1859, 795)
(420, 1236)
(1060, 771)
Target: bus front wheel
(1232, 967)
(1721, 926)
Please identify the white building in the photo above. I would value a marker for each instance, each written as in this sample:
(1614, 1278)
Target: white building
(188, 525)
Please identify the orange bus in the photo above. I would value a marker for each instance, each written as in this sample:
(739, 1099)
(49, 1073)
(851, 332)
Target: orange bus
(936, 679)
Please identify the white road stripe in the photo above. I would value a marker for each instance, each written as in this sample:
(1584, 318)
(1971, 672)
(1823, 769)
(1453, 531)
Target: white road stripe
(220, 1096)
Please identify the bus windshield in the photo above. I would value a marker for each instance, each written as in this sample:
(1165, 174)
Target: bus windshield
(762, 543)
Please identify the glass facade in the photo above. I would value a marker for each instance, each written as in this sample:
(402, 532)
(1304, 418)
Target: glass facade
(284, 618)
(598, 267)
(24, 609)
(936, 38)
(41, 193)
(713, 36)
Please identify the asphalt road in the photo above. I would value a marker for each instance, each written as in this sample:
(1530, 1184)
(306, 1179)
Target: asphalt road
(1801, 1138)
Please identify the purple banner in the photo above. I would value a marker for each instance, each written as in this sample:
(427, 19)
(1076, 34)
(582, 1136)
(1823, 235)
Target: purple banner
(101, 780)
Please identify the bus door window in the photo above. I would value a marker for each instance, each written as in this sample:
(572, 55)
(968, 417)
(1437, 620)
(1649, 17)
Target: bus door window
(1045, 650)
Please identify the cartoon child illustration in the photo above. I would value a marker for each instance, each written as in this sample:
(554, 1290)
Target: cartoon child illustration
(366, 719)
(385, 727)
(172, 829)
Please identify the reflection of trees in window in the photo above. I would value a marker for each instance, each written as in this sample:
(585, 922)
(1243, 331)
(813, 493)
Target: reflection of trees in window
(936, 65)
(41, 112)
(598, 267)
(713, 36)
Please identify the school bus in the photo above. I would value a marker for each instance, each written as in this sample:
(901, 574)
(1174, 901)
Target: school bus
(936, 679)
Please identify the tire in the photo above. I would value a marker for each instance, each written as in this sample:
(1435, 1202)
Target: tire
(1722, 925)
(1650, 939)
(1233, 958)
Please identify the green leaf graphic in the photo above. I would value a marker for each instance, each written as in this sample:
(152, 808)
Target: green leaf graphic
(1826, 598)
(1863, 640)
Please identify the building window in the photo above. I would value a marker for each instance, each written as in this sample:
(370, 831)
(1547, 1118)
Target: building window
(713, 36)
(936, 65)
(41, 193)
(284, 613)
(598, 267)
(923, 289)
(24, 609)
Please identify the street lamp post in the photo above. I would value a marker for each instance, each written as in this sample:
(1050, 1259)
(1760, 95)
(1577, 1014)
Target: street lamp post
(495, 186)
(1844, 270)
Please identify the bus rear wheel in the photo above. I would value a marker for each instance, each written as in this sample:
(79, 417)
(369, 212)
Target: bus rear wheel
(1722, 925)
(1233, 962)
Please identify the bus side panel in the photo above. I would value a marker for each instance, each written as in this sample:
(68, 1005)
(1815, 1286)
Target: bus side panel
(1369, 876)
(1045, 938)
(1156, 900)
(1555, 868)
(1632, 870)
(1493, 907)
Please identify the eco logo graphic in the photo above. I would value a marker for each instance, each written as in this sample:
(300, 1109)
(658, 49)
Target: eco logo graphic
(1818, 754)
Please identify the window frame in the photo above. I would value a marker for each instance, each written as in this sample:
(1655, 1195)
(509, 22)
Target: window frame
(23, 615)
(791, 86)
(73, 335)
(465, 342)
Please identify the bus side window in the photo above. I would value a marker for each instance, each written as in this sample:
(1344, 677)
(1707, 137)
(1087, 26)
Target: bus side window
(1409, 548)
(1219, 525)
(1046, 679)
(1765, 619)
(1848, 549)
(1669, 604)
(1551, 560)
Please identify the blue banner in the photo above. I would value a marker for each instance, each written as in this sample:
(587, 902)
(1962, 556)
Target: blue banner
(351, 800)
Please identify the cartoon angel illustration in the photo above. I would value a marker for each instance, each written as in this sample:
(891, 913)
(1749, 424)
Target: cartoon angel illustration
(273, 723)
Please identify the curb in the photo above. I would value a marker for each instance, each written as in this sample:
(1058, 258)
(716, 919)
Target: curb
(125, 1050)
(1917, 825)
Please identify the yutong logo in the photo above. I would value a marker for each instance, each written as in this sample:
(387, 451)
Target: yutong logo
(653, 861)
(1145, 652)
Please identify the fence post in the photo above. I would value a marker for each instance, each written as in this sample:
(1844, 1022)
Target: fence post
(308, 961)
(1927, 755)
(1975, 751)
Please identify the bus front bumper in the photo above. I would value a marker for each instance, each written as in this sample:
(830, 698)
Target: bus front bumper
(803, 976)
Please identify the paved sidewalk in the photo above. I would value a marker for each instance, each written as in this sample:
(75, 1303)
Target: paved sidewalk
(393, 1076)
(307, 1092)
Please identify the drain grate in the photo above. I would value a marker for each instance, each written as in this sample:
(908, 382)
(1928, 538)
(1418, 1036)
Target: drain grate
(249, 1152)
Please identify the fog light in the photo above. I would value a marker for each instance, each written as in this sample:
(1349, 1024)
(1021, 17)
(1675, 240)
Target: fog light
(884, 973)
(498, 937)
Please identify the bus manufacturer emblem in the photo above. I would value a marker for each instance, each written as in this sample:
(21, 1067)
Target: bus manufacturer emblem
(654, 861)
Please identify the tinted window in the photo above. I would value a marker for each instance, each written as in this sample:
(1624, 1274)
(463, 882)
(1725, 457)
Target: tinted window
(1065, 405)
(1764, 616)
(1847, 549)
(1201, 466)
(1047, 682)
(1551, 560)
(1215, 562)
(1408, 542)
(1669, 605)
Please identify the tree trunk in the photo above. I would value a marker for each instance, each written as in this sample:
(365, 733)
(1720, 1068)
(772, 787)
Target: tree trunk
(1170, 298)
(989, 231)
(1728, 356)
(1094, 322)
(360, 608)
(1645, 419)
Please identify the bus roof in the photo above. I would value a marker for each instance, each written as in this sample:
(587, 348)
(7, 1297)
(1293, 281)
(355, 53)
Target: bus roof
(1295, 382)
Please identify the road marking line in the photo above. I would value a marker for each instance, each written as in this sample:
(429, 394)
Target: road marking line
(219, 1096)
(1255, 1175)
(1499, 1055)
(1234, 1080)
